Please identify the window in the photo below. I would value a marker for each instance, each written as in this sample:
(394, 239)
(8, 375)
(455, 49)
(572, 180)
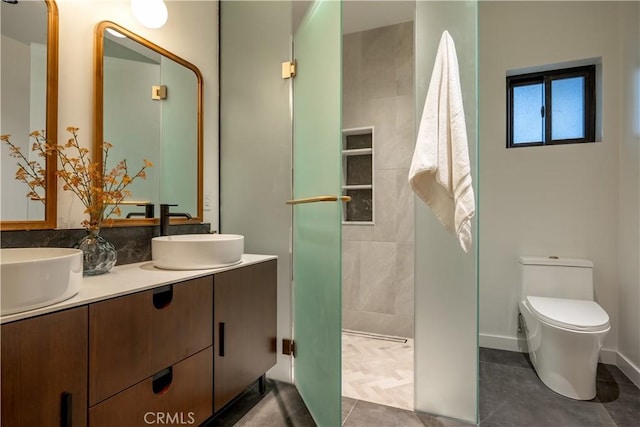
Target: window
(551, 107)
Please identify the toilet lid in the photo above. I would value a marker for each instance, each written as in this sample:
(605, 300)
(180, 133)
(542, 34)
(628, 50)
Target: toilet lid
(577, 315)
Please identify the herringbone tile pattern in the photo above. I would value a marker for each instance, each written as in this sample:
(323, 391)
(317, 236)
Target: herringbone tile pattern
(377, 370)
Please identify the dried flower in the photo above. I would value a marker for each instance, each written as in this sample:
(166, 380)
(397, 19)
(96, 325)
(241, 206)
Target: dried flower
(30, 172)
(99, 190)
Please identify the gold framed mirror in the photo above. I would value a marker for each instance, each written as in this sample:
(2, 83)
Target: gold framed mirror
(148, 105)
(29, 103)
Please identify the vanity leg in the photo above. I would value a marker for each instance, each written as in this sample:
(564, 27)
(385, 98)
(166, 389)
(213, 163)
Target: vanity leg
(262, 384)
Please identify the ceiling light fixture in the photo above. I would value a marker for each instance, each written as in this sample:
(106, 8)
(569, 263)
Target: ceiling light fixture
(150, 13)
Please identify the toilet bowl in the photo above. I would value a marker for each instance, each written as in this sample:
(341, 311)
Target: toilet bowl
(564, 326)
(564, 337)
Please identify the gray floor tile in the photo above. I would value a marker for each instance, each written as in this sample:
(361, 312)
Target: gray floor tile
(281, 406)
(365, 414)
(502, 357)
(240, 407)
(622, 401)
(433, 421)
(511, 396)
(347, 405)
(499, 383)
(612, 374)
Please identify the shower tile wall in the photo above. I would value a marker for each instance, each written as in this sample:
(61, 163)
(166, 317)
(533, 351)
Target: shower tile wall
(378, 260)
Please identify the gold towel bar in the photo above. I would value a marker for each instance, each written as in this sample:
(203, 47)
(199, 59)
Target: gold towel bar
(319, 199)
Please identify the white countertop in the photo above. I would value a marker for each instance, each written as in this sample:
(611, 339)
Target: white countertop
(127, 279)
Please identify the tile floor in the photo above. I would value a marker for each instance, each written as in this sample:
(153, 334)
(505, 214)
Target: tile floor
(378, 370)
(511, 395)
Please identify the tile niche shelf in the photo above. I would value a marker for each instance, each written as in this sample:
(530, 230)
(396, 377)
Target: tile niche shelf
(357, 170)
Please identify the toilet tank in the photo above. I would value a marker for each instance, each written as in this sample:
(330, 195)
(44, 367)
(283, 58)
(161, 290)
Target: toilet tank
(556, 277)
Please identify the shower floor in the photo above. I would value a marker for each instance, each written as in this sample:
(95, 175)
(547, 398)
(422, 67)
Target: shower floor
(377, 369)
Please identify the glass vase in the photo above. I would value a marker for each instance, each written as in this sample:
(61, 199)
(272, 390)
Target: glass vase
(99, 254)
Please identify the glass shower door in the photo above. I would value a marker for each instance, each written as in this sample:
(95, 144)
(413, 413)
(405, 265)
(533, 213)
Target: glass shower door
(317, 246)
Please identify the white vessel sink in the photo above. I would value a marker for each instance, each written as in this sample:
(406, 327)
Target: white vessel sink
(196, 251)
(37, 277)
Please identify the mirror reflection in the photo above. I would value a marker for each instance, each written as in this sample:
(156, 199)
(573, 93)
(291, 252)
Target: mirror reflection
(151, 101)
(29, 103)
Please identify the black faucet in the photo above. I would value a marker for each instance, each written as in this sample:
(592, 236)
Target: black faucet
(149, 211)
(165, 216)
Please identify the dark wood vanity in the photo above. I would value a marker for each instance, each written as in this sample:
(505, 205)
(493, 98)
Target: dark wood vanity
(178, 353)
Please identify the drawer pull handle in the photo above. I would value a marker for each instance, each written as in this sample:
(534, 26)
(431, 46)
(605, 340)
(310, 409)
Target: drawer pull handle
(66, 412)
(221, 339)
(162, 297)
(162, 381)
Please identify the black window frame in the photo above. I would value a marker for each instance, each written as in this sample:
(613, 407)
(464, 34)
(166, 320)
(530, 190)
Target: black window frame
(546, 78)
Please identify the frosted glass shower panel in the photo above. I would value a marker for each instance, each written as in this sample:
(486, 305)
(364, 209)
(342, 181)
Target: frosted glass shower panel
(446, 323)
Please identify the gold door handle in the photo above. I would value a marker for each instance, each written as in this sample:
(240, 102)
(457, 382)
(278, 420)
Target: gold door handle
(316, 199)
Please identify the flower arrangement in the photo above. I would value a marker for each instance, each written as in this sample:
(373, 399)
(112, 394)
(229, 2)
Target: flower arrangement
(100, 190)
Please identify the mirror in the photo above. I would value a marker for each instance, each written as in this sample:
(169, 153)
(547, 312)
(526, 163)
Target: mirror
(29, 87)
(148, 105)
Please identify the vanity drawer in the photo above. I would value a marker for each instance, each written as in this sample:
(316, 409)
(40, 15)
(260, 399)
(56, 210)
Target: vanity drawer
(182, 394)
(135, 336)
(181, 321)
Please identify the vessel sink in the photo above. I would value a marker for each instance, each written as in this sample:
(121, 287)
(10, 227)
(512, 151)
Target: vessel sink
(196, 251)
(37, 277)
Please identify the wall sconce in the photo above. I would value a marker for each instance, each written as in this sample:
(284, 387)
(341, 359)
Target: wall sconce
(150, 13)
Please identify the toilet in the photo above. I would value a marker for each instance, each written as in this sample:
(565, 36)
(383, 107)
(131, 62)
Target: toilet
(563, 324)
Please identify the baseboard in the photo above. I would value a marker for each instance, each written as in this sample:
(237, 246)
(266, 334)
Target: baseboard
(610, 357)
(500, 342)
(629, 369)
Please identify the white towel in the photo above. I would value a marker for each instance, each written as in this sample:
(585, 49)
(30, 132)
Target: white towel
(440, 173)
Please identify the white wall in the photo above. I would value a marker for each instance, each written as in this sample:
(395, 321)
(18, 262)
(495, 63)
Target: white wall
(191, 32)
(629, 195)
(556, 200)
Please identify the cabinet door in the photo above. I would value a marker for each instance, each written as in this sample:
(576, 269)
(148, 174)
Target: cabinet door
(244, 315)
(44, 370)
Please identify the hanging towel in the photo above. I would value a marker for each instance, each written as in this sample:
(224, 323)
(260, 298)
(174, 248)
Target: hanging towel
(440, 173)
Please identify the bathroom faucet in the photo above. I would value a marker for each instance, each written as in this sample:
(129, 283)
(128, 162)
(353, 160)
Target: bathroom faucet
(165, 217)
(149, 211)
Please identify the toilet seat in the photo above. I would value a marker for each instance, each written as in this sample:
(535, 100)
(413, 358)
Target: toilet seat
(576, 315)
